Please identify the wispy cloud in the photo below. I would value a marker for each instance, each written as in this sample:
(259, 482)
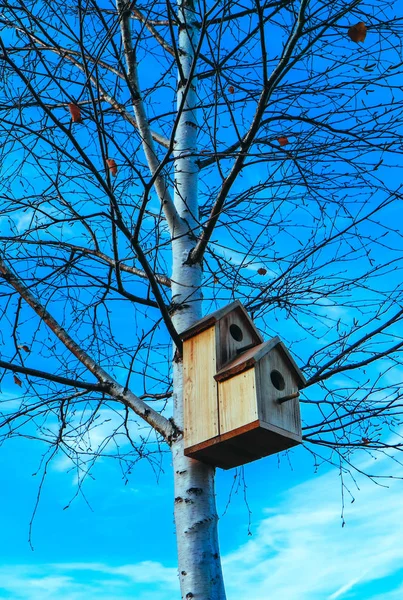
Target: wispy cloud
(99, 437)
(83, 581)
(301, 552)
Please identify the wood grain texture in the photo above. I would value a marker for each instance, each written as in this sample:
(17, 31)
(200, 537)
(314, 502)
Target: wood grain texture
(244, 360)
(200, 388)
(287, 415)
(241, 362)
(237, 401)
(228, 347)
(216, 316)
(243, 445)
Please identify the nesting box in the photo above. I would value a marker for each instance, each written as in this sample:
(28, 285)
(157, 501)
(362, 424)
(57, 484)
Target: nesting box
(240, 393)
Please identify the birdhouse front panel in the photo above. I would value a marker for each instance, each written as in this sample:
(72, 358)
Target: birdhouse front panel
(240, 394)
(277, 381)
(200, 388)
(237, 401)
(235, 334)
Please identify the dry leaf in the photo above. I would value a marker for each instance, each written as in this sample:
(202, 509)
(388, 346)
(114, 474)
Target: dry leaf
(75, 113)
(216, 280)
(283, 140)
(17, 381)
(231, 89)
(112, 166)
(262, 271)
(366, 441)
(23, 347)
(357, 33)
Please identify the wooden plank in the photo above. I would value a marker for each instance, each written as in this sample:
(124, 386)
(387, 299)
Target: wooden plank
(287, 415)
(223, 451)
(212, 318)
(293, 438)
(243, 445)
(235, 331)
(200, 388)
(237, 401)
(244, 360)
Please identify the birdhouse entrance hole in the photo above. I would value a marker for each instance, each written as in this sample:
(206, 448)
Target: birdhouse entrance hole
(240, 393)
(277, 380)
(236, 332)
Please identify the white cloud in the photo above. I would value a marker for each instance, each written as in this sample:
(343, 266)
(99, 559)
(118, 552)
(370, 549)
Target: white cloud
(147, 571)
(98, 438)
(301, 552)
(23, 220)
(83, 581)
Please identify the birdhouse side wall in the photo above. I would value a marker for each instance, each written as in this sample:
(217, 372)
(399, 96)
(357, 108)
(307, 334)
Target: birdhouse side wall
(200, 388)
(227, 343)
(237, 401)
(287, 415)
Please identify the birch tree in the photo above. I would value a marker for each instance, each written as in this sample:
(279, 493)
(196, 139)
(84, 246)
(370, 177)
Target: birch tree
(159, 160)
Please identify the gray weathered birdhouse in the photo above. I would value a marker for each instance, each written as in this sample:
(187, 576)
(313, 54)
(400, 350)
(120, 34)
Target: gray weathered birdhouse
(240, 394)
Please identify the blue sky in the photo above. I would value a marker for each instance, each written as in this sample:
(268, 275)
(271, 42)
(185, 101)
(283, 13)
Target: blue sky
(124, 546)
(117, 541)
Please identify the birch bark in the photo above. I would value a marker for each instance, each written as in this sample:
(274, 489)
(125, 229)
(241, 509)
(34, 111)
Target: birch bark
(195, 510)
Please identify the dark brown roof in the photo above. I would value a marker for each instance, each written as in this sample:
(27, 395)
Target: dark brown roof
(212, 318)
(250, 357)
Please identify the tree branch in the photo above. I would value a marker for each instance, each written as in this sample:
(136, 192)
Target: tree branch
(269, 85)
(160, 278)
(160, 184)
(70, 56)
(91, 387)
(112, 388)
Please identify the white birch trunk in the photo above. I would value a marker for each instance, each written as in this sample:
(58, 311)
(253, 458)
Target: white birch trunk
(195, 511)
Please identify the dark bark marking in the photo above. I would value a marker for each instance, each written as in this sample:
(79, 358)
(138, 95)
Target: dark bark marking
(194, 490)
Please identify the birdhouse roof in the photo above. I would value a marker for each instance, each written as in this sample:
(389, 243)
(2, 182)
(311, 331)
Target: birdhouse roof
(216, 316)
(250, 357)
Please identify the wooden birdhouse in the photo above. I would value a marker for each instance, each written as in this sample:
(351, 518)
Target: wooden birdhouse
(240, 393)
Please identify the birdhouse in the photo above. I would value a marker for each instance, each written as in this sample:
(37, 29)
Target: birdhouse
(240, 393)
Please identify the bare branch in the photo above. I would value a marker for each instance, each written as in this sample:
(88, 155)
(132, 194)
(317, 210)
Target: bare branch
(118, 392)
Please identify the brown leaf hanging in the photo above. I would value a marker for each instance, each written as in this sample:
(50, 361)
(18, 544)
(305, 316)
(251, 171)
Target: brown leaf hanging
(17, 380)
(262, 271)
(283, 140)
(24, 347)
(231, 89)
(113, 168)
(357, 33)
(75, 113)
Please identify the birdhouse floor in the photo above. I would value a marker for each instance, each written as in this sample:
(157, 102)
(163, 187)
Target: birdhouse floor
(243, 445)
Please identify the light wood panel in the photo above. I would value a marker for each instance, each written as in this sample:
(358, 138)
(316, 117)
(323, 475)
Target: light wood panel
(229, 346)
(243, 445)
(200, 388)
(237, 401)
(286, 415)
